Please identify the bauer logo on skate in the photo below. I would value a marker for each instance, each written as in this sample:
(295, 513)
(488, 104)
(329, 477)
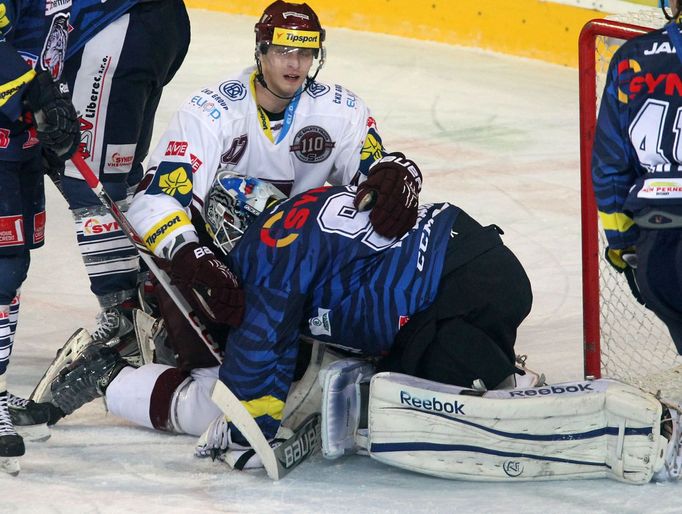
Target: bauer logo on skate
(432, 404)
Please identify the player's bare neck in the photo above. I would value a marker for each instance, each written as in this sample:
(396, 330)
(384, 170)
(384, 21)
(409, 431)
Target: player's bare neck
(268, 101)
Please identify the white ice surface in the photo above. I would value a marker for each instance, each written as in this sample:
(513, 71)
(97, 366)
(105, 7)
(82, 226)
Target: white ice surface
(494, 134)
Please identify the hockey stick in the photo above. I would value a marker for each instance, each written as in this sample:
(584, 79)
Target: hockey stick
(146, 255)
(278, 461)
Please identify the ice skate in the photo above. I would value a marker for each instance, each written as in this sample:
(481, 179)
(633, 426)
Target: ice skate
(11, 443)
(31, 419)
(86, 378)
(116, 329)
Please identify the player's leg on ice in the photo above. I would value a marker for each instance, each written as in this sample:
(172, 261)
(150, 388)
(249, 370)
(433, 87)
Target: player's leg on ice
(11, 443)
(85, 379)
(131, 60)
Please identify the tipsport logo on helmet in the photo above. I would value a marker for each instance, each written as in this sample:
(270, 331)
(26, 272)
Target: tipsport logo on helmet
(296, 38)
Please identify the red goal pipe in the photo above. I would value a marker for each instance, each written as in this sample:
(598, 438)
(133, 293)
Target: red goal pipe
(587, 83)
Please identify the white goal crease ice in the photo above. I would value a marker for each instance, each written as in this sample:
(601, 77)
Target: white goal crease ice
(621, 338)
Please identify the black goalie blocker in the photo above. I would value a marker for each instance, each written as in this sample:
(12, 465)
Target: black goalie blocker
(234, 202)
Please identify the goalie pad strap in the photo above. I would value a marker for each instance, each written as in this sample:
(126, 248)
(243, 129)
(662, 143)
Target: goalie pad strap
(576, 430)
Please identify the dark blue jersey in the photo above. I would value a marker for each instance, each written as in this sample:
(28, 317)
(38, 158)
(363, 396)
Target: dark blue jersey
(638, 140)
(39, 35)
(314, 266)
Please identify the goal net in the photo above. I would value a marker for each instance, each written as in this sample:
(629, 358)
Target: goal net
(621, 338)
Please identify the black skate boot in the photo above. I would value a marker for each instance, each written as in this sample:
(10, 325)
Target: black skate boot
(31, 419)
(11, 443)
(86, 378)
(116, 329)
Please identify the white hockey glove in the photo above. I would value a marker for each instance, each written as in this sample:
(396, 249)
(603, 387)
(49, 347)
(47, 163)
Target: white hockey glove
(216, 442)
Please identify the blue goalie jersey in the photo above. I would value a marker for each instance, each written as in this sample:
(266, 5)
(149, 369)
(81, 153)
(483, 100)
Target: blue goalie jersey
(314, 266)
(638, 144)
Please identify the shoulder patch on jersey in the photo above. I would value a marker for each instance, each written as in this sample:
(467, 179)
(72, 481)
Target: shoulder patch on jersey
(173, 179)
(233, 90)
(312, 144)
(54, 50)
(5, 22)
(372, 150)
(206, 106)
(315, 89)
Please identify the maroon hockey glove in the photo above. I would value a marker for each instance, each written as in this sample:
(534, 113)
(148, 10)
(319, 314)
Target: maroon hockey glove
(209, 284)
(395, 181)
(54, 116)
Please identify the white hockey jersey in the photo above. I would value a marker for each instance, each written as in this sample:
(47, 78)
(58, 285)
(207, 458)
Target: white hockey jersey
(327, 135)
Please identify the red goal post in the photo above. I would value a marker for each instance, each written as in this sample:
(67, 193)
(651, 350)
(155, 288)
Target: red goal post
(621, 339)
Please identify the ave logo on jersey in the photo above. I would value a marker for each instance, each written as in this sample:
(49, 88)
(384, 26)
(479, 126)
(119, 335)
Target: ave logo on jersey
(176, 148)
(312, 144)
(173, 179)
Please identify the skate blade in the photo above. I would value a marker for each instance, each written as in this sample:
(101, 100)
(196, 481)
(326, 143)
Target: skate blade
(34, 433)
(67, 354)
(10, 465)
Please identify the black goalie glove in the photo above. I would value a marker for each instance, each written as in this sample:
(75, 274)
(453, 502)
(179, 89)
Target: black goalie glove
(54, 115)
(392, 192)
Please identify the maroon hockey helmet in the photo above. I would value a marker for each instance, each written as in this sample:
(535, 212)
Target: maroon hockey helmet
(289, 24)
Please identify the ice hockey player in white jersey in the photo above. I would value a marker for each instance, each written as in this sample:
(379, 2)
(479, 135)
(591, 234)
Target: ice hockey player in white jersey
(271, 121)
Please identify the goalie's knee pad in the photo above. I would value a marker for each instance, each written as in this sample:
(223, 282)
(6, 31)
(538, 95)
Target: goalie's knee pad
(342, 406)
(574, 430)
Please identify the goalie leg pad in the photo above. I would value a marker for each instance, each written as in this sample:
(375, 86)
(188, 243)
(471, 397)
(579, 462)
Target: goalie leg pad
(575, 430)
(341, 405)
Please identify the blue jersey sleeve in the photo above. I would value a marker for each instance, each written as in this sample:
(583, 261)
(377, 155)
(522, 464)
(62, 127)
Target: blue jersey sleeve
(14, 72)
(613, 162)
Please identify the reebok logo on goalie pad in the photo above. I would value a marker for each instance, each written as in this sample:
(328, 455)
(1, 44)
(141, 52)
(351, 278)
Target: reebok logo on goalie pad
(433, 404)
(543, 391)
